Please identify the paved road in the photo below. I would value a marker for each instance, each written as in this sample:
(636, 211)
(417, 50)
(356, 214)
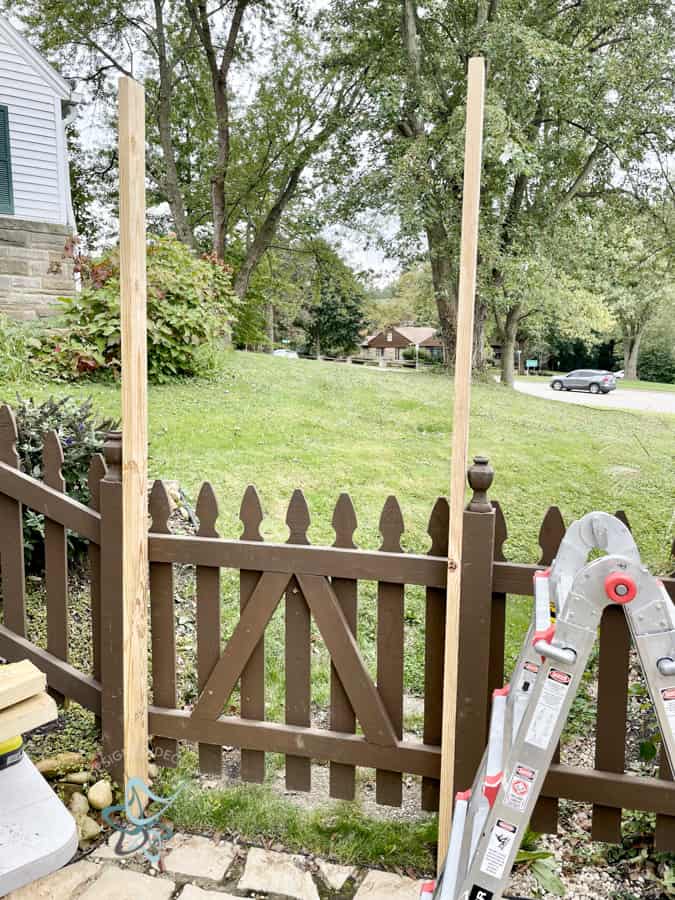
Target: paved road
(621, 398)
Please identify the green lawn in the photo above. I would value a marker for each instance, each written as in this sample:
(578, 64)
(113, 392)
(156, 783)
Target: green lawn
(326, 428)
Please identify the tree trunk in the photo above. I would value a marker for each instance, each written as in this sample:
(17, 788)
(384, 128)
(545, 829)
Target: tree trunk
(445, 288)
(218, 178)
(270, 325)
(509, 346)
(478, 353)
(171, 185)
(631, 350)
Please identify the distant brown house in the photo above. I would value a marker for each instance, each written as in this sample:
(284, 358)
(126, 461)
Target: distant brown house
(392, 341)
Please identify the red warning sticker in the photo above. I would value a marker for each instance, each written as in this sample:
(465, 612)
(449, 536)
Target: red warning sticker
(519, 787)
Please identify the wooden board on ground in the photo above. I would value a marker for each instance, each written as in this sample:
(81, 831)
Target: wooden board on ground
(19, 681)
(25, 716)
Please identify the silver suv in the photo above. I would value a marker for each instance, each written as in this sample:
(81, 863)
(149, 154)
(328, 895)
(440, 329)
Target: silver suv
(597, 381)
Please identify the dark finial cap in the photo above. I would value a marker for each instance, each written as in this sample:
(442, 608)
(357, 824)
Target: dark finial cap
(112, 453)
(480, 476)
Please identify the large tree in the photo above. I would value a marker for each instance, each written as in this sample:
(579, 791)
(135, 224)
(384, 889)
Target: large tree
(578, 95)
(246, 109)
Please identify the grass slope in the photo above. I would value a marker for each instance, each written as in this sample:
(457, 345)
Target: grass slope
(326, 428)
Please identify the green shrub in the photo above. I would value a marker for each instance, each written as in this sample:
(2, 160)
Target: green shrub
(190, 303)
(81, 435)
(14, 351)
(657, 364)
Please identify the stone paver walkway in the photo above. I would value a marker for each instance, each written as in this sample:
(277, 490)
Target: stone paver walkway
(202, 868)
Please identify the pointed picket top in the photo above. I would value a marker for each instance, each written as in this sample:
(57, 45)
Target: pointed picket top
(344, 522)
(551, 533)
(52, 461)
(622, 517)
(160, 508)
(97, 470)
(297, 519)
(437, 529)
(501, 532)
(207, 511)
(251, 515)
(391, 526)
(8, 437)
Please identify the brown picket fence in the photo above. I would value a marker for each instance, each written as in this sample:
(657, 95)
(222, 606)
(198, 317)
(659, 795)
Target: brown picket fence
(317, 585)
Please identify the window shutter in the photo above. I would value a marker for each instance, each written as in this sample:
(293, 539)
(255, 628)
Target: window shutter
(6, 192)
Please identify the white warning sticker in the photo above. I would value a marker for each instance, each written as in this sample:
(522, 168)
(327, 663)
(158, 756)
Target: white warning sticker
(547, 713)
(496, 857)
(668, 696)
(520, 787)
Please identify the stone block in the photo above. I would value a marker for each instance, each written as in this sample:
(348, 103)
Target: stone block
(192, 892)
(60, 885)
(199, 857)
(279, 873)
(26, 283)
(335, 876)
(11, 266)
(14, 237)
(386, 886)
(115, 883)
(57, 283)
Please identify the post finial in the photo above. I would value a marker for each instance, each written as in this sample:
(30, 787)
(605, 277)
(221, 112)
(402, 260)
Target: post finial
(480, 476)
(112, 453)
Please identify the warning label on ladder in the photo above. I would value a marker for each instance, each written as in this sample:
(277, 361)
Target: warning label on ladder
(502, 836)
(547, 713)
(668, 697)
(520, 786)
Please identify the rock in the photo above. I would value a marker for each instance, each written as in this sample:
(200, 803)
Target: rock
(60, 764)
(197, 857)
(77, 778)
(153, 770)
(87, 828)
(79, 805)
(287, 874)
(335, 876)
(100, 795)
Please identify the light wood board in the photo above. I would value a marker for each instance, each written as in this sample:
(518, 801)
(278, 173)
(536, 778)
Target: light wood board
(460, 438)
(19, 681)
(25, 716)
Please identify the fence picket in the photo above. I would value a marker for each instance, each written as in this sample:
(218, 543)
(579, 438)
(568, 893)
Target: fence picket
(97, 470)
(434, 629)
(162, 626)
(342, 718)
(208, 618)
(390, 612)
(298, 649)
(612, 706)
(498, 618)
(253, 675)
(11, 528)
(56, 556)
(551, 533)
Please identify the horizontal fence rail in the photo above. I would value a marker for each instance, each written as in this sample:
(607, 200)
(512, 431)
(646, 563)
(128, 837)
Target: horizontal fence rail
(317, 600)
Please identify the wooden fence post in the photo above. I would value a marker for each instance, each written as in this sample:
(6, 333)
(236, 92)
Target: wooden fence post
(473, 687)
(112, 663)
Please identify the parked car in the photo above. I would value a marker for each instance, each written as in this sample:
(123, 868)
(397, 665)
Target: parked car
(597, 381)
(289, 354)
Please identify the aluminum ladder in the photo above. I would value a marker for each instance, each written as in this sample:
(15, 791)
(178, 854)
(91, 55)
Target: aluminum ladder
(528, 715)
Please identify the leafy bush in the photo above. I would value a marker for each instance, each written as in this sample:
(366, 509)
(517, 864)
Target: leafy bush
(81, 435)
(14, 351)
(657, 364)
(190, 302)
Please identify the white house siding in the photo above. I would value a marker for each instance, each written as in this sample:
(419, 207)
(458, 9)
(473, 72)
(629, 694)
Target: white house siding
(35, 139)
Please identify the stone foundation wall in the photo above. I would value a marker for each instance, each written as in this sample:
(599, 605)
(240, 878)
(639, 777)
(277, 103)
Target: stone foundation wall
(36, 267)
